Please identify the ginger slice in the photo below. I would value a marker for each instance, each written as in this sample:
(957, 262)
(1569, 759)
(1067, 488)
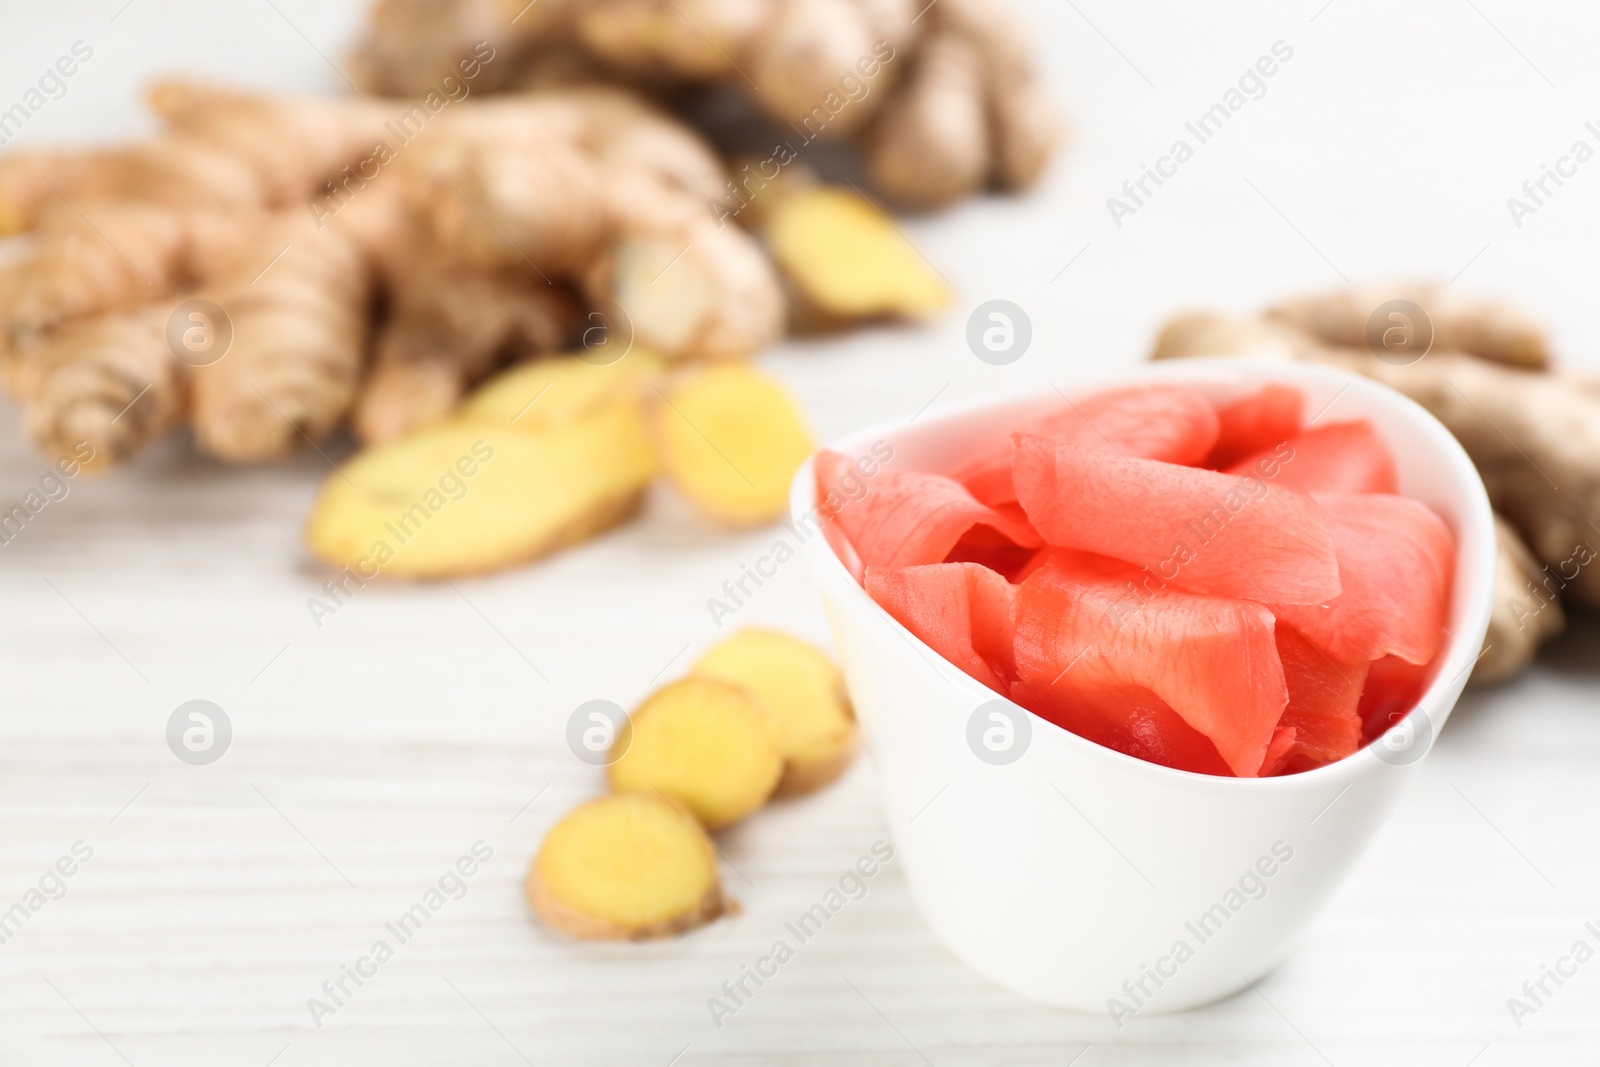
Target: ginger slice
(805, 693)
(707, 745)
(625, 868)
(731, 439)
(848, 261)
(470, 496)
(549, 392)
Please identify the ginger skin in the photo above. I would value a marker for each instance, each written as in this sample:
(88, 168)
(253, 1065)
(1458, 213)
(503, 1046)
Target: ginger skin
(216, 147)
(943, 99)
(114, 258)
(451, 325)
(211, 208)
(482, 240)
(295, 303)
(1526, 612)
(299, 336)
(108, 382)
(1486, 329)
(517, 199)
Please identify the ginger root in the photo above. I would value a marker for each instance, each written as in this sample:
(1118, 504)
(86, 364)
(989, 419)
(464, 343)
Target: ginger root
(805, 693)
(705, 744)
(281, 337)
(449, 325)
(943, 99)
(134, 253)
(730, 439)
(1359, 318)
(1532, 435)
(1525, 613)
(107, 383)
(687, 286)
(970, 113)
(512, 200)
(299, 330)
(296, 217)
(625, 868)
(112, 258)
(216, 147)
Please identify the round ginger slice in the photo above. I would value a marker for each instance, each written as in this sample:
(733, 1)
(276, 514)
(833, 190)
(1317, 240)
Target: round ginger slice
(731, 439)
(707, 745)
(625, 868)
(805, 693)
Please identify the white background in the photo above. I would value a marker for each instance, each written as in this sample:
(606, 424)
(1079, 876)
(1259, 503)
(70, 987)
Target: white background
(370, 753)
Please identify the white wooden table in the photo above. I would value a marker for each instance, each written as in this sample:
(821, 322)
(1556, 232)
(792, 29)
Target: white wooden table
(372, 752)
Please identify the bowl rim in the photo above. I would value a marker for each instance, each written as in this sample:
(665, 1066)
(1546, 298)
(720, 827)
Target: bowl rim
(1462, 649)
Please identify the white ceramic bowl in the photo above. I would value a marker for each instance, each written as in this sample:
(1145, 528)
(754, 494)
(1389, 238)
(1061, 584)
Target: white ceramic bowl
(1090, 879)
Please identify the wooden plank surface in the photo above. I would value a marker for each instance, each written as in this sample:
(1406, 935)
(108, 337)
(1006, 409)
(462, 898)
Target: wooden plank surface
(370, 752)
